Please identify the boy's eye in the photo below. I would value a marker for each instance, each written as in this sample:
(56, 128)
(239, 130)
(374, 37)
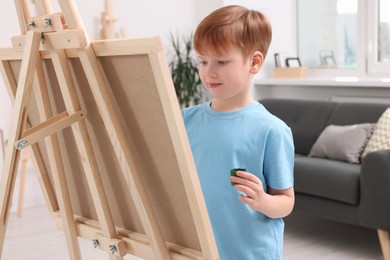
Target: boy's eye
(202, 62)
(222, 62)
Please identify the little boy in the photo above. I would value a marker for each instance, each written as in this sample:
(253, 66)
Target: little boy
(235, 131)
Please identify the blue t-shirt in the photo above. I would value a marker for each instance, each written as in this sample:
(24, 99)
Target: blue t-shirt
(249, 138)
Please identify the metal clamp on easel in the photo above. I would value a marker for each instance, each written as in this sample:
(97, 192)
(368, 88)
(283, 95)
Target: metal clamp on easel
(54, 35)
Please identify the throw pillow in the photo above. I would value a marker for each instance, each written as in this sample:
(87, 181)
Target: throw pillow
(380, 139)
(343, 143)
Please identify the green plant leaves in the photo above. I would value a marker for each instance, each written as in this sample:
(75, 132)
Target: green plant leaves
(185, 72)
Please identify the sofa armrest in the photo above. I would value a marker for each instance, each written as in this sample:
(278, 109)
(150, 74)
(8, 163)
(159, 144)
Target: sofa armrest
(374, 210)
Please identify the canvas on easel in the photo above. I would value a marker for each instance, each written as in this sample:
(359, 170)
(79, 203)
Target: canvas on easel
(107, 140)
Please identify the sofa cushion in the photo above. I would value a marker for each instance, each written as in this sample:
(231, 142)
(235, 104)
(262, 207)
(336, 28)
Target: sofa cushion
(327, 179)
(349, 113)
(343, 143)
(380, 139)
(306, 119)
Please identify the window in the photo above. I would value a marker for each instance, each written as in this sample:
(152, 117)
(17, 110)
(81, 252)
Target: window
(379, 38)
(332, 42)
(384, 31)
(344, 37)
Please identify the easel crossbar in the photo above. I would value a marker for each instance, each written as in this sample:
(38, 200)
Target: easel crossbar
(136, 243)
(51, 126)
(69, 39)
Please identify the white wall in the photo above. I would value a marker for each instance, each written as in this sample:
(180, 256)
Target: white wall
(8, 27)
(204, 7)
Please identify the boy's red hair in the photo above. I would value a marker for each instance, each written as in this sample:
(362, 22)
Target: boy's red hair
(233, 26)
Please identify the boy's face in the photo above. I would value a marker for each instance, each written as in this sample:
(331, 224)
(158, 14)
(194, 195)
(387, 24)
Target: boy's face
(227, 76)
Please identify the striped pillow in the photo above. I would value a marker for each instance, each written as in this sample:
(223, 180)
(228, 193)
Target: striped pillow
(380, 139)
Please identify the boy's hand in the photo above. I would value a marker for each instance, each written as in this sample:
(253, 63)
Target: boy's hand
(252, 186)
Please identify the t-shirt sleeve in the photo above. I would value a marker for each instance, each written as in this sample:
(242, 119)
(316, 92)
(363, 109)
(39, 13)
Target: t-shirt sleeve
(279, 159)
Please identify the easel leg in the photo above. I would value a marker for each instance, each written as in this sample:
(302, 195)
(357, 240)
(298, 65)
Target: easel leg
(83, 143)
(36, 158)
(7, 185)
(23, 92)
(23, 95)
(22, 185)
(63, 197)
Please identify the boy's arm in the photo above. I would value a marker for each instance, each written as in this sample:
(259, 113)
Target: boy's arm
(281, 203)
(274, 204)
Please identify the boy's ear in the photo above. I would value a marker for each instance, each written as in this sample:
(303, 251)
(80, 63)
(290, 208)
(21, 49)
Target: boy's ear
(257, 61)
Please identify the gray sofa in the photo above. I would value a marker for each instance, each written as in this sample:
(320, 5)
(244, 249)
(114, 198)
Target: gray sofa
(357, 194)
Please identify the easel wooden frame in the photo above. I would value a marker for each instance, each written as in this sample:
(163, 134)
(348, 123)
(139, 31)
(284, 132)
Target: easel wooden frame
(103, 232)
(24, 158)
(108, 20)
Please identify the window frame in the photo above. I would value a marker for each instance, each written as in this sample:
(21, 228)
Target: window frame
(367, 64)
(374, 67)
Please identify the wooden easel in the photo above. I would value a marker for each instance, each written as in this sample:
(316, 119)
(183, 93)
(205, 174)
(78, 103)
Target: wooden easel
(48, 35)
(108, 20)
(28, 72)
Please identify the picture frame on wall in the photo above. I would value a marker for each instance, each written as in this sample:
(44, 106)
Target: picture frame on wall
(293, 62)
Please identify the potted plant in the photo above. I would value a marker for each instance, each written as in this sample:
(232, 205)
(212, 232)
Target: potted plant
(184, 71)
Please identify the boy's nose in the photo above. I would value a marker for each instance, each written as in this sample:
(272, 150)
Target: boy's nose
(211, 73)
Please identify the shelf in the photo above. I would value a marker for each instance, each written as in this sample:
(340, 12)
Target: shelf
(331, 82)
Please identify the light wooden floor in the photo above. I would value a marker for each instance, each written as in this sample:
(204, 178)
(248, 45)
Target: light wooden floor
(311, 238)
(35, 236)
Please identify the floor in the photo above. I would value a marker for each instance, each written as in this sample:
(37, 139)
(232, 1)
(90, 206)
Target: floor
(312, 238)
(35, 236)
